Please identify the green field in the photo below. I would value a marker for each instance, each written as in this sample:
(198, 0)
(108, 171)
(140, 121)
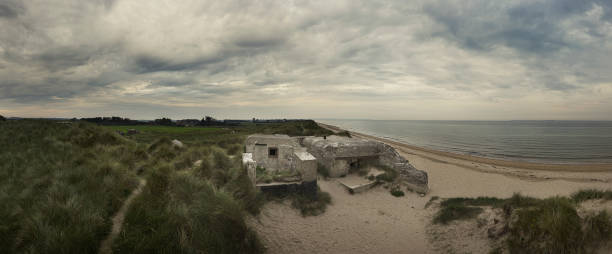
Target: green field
(219, 135)
(166, 129)
(188, 135)
(61, 183)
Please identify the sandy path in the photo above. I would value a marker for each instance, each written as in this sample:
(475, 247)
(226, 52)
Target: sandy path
(376, 222)
(106, 245)
(370, 222)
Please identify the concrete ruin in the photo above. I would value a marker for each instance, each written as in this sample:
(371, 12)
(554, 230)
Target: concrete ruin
(296, 159)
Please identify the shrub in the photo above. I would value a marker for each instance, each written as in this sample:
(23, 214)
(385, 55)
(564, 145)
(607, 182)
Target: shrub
(311, 205)
(323, 170)
(396, 192)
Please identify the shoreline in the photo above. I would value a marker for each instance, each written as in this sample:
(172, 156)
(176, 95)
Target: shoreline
(427, 152)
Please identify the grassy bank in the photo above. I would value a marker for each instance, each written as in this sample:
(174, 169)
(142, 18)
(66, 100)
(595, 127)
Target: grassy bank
(186, 209)
(60, 184)
(551, 225)
(198, 209)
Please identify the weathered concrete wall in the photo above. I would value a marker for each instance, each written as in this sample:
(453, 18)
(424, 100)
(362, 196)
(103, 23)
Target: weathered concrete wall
(250, 165)
(306, 165)
(389, 156)
(270, 140)
(340, 167)
(285, 159)
(281, 162)
(414, 179)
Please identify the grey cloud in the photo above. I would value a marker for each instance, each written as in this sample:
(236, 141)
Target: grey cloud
(62, 58)
(247, 53)
(147, 63)
(10, 9)
(531, 27)
(258, 41)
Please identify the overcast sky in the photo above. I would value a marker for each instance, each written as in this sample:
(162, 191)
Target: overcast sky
(427, 59)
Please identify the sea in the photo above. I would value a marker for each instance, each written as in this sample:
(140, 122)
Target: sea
(559, 142)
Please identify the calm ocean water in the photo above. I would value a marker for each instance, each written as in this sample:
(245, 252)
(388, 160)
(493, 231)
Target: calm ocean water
(533, 141)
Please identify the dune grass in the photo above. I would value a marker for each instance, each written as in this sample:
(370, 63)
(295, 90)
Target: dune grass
(584, 195)
(311, 205)
(550, 225)
(187, 209)
(60, 184)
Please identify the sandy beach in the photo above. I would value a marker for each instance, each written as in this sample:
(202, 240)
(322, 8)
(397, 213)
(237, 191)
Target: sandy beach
(376, 222)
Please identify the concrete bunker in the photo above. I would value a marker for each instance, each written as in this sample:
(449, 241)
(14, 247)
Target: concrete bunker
(280, 160)
(277, 160)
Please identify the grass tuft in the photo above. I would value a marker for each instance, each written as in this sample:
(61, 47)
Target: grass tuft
(584, 195)
(396, 192)
(456, 212)
(552, 226)
(549, 225)
(311, 205)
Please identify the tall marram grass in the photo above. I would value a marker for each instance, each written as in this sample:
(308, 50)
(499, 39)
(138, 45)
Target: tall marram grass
(550, 225)
(193, 209)
(60, 184)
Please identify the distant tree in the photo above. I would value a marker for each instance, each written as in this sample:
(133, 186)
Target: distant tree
(208, 120)
(164, 121)
(2, 119)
